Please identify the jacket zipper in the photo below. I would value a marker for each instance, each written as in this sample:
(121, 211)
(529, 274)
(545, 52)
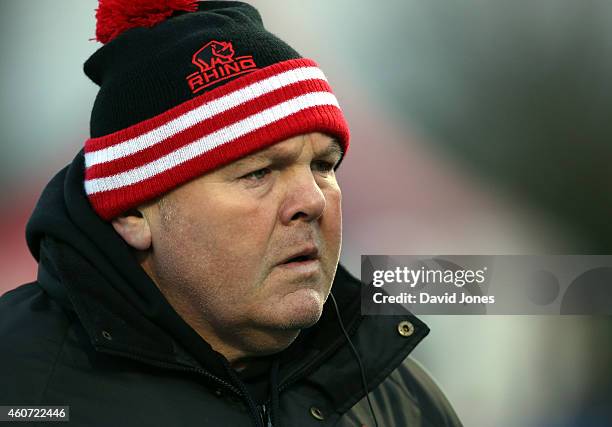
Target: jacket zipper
(265, 415)
(175, 367)
(267, 422)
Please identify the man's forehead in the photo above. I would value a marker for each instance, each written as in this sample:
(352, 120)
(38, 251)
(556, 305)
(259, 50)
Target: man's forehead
(323, 145)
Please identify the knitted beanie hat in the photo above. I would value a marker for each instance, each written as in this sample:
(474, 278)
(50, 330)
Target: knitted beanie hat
(186, 87)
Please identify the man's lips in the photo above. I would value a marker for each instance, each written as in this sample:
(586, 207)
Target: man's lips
(302, 261)
(303, 256)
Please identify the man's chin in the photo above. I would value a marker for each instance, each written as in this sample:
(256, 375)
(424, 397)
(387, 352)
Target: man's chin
(305, 321)
(300, 309)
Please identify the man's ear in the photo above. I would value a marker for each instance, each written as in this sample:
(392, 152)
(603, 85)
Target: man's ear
(134, 228)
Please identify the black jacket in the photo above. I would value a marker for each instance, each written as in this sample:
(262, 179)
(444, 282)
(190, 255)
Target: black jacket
(94, 333)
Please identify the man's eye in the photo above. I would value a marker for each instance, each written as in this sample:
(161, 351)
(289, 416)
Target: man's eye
(322, 166)
(257, 175)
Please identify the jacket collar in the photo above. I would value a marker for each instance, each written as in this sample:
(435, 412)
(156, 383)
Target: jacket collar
(382, 343)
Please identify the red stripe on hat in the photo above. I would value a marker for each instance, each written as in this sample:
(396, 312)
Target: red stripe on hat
(204, 128)
(326, 119)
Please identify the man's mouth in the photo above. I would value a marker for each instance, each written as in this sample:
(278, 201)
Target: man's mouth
(305, 255)
(304, 262)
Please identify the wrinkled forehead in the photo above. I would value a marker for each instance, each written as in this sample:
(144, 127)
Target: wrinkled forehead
(318, 144)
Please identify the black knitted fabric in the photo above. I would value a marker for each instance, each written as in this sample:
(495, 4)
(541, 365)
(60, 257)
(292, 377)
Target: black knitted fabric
(143, 71)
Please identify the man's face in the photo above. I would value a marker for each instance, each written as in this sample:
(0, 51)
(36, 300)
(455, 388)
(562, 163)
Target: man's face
(252, 248)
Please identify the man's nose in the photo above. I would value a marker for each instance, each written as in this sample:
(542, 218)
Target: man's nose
(304, 199)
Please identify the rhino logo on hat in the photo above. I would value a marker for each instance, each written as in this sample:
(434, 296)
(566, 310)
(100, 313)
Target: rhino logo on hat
(212, 54)
(216, 63)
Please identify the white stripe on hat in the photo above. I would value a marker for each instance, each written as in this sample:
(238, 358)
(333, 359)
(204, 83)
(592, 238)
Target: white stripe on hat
(212, 140)
(201, 113)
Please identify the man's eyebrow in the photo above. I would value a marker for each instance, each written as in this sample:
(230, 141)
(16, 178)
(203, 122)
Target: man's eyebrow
(332, 149)
(256, 158)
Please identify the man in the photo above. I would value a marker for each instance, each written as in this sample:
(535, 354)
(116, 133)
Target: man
(187, 256)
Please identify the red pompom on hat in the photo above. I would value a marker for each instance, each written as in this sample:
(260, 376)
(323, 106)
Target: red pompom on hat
(116, 16)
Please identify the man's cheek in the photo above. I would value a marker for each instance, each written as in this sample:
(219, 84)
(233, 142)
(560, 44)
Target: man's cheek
(333, 201)
(332, 223)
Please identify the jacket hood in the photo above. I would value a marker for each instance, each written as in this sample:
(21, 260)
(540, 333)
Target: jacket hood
(87, 268)
(86, 265)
